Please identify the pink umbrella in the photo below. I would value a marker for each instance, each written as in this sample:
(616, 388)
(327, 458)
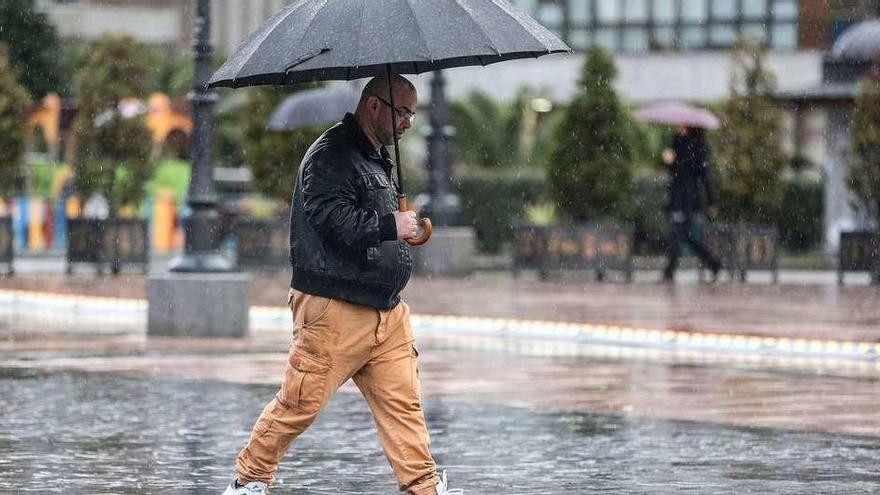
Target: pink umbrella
(678, 114)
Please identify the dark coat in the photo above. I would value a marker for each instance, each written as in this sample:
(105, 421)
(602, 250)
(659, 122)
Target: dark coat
(343, 237)
(689, 173)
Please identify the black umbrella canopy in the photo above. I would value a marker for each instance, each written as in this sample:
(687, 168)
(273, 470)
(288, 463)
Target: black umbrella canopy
(314, 40)
(312, 107)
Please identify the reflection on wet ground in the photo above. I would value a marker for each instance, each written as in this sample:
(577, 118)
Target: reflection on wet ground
(105, 433)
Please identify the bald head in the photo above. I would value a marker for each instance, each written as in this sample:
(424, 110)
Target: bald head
(378, 86)
(374, 109)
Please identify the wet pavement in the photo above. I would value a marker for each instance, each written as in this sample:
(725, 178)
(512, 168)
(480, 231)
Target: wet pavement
(105, 433)
(89, 404)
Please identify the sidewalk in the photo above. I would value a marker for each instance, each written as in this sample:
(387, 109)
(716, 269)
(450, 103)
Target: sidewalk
(805, 304)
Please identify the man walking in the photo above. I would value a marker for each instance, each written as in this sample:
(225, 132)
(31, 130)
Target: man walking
(350, 263)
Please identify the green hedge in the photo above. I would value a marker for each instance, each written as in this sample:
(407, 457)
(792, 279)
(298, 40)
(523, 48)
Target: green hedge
(648, 214)
(494, 202)
(800, 222)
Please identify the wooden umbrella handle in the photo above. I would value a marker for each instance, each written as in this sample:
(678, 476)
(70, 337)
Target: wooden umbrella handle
(424, 223)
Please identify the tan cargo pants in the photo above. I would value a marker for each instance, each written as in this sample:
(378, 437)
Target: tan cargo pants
(333, 341)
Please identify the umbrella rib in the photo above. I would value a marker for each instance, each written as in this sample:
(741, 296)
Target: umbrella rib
(523, 22)
(425, 48)
(306, 31)
(488, 38)
(360, 30)
(281, 18)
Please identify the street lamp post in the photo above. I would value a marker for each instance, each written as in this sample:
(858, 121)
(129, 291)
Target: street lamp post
(442, 204)
(452, 246)
(201, 249)
(201, 295)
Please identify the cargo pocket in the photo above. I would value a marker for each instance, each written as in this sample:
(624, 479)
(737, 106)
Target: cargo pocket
(304, 383)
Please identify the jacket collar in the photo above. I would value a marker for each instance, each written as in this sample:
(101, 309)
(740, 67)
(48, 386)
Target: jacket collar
(359, 138)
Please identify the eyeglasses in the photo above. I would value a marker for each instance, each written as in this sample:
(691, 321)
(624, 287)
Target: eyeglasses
(402, 113)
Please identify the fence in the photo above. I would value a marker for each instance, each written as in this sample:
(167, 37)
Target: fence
(555, 249)
(859, 252)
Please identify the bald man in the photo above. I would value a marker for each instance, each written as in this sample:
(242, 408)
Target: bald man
(350, 262)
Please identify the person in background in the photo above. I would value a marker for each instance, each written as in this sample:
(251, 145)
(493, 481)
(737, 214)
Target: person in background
(690, 178)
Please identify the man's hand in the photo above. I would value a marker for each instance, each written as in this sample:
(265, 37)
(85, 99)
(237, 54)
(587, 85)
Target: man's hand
(407, 225)
(668, 156)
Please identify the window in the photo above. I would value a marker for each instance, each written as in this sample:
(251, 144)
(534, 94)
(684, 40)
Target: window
(755, 32)
(608, 11)
(723, 9)
(645, 25)
(693, 37)
(754, 8)
(636, 10)
(693, 10)
(722, 35)
(784, 36)
(664, 11)
(635, 39)
(579, 12)
(785, 9)
(550, 14)
(664, 37)
(579, 39)
(607, 38)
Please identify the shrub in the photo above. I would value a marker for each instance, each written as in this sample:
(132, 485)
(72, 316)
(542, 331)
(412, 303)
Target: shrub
(493, 203)
(13, 113)
(113, 145)
(590, 167)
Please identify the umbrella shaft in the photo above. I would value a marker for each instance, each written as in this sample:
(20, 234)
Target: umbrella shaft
(393, 109)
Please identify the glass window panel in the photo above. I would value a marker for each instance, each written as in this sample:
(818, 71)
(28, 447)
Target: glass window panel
(664, 11)
(550, 14)
(784, 36)
(754, 8)
(607, 38)
(530, 6)
(723, 9)
(722, 35)
(635, 40)
(608, 11)
(693, 37)
(664, 38)
(693, 10)
(636, 10)
(579, 12)
(579, 39)
(755, 31)
(785, 9)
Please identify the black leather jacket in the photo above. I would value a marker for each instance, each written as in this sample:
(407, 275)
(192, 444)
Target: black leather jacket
(343, 238)
(690, 176)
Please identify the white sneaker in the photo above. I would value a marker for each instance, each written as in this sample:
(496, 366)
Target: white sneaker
(443, 487)
(252, 488)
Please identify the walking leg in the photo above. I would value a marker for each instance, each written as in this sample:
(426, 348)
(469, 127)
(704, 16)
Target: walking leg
(390, 384)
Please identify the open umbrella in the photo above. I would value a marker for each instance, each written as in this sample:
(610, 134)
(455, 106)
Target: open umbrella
(315, 40)
(319, 106)
(678, 114)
